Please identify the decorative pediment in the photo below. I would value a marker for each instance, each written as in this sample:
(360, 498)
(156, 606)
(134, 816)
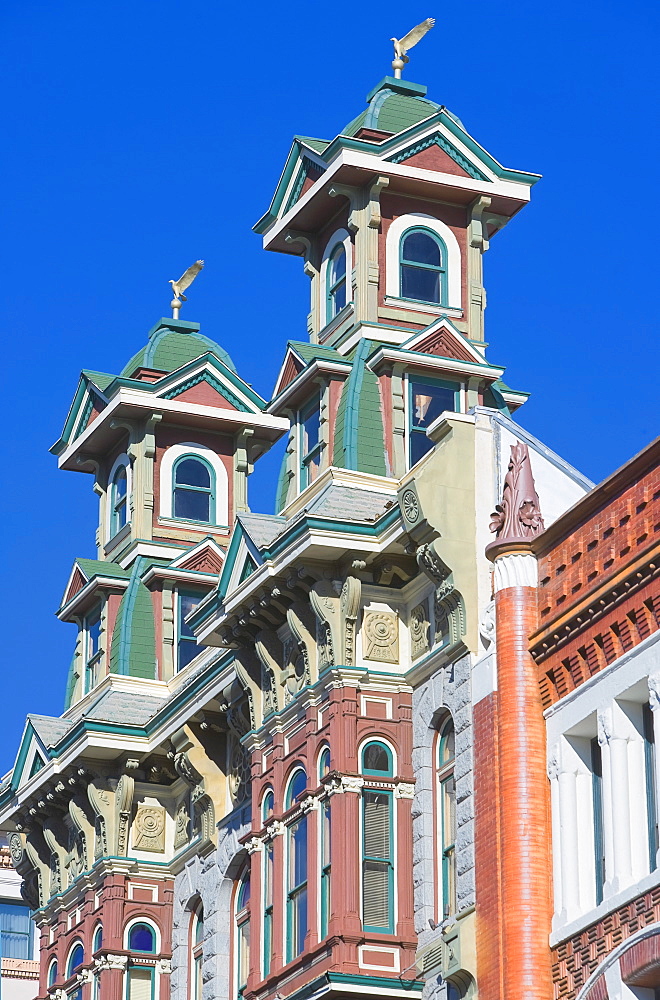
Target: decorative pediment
(88, 402)
(207, 390)
(76, 584)
(85, 570)
(445, 341)
(206, 381)
(292, 366)
(436, 152)
(307, 173)
(207, 557)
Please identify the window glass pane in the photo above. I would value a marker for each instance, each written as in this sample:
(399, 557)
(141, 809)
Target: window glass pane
(338, 298)
(120, 483)
(324, 763)
(338, 265)
(15, 931)
(76, 959)
(93, 634)
(141, 938)
(297, 787)
(268, 805)
(243, 894)
(192, 472)
(311, 430)
(376, 825)
(52, 974)
(420, 283)
(299, 921)
(298, 853)
(428, 402)
(419, 446)
(421, 247)
(376, 758)
(199, 928)
(139, 984)
(188, 601)
(98, 939)
(192, 504)
(447, 744)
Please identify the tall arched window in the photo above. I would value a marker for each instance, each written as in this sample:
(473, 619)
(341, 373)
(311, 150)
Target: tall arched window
(377, 841)
(141, 937)
(76, 959)
(336, 282)
(52, 973)
(97, 944)
(423, 267)
(296, 896)
(118, 501)
(242, 934)
(193, 490)
(447, 816)
(267, 810)
(197, 953)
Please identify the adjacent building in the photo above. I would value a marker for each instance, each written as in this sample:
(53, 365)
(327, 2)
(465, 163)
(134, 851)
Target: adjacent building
(303, 754)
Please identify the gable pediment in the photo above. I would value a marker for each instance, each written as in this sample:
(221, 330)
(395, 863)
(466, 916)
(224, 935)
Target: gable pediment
(307, 173)
(207, 557)
(436, 152)
(208, 382)
(444, 344)
(291, 368)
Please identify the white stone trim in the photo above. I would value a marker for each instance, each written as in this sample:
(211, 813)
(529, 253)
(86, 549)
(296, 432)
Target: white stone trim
(515, 569)
(168, 460)
(394, 234)
(150, 923)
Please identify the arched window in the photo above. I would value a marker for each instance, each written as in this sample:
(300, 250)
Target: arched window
(76, 959)
(296, 895)
(197, 953)
(447, 816)
(267, 805)
(52, 973)
(242, 934)
(97, 941)
(142, 938)
(193, 490)
(297, 785)
(423, 266)
(118, 501)
(324, 762)
(336, 282)
(377, 842)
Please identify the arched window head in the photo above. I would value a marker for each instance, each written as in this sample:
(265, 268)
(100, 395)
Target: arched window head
(76, 959)
(97, 942)
(142, 938)
(267, 805)
(324, 762)
(118, 501)
(194, 490)
(52, 973)
(447, 816)
(336, 281)
(423, 267)
(377, 759)
(297, 785)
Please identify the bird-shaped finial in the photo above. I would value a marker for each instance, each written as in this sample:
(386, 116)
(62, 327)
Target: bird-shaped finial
(402, 45)
(179, 287)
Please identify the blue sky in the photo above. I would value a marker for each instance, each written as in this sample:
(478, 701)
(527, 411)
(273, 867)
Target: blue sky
(139, 137)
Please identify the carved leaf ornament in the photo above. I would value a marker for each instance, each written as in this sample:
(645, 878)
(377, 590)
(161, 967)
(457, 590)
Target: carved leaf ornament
(519, 513)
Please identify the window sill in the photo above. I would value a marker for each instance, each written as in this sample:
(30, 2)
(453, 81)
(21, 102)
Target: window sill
(181, 522)
(117, 539)
(425, 307)
(336, 321)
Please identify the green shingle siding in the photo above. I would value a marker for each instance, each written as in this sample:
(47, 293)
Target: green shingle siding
(97, 567)
(168, 350)
(359, 437)
(393, 114)
(134, 637)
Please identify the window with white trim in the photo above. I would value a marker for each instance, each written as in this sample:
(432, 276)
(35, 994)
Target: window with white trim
(446, 805)
(197, 953)
(296, 876)
(242, 925)
(186, 643)
(377, 840)
(92, 652)
(15, 931)
(423, 266)
(336, 282)
(193, 485)
(309, 422)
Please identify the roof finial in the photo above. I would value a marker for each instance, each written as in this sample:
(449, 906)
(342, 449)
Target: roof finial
(518, 515)
(179, 287)
(402, 45)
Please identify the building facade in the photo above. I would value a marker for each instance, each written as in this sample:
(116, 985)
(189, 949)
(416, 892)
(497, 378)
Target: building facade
(303, 754)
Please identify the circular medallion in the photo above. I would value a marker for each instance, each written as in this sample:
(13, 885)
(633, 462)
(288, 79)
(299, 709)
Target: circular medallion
(410, 506)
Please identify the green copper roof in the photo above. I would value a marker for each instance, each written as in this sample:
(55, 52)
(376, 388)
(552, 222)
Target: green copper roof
(359, 435)
(309, 352)
(172, 344)
(319, 145)
(394, 105)
(98, 567)
(100, 379)
(133, 649)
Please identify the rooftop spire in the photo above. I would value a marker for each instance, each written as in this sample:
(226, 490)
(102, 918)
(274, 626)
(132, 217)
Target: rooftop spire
(401, 45)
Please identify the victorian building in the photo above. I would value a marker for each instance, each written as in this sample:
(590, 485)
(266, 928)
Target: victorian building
(303, 754)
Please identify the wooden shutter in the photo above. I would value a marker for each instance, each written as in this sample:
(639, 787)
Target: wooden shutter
(139, 984)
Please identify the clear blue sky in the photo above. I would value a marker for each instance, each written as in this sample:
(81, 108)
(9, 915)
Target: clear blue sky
(139, 137)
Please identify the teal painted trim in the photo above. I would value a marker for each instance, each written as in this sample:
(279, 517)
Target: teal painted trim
(476, 365)
(292, 160)
(389, 860)
(324, 982)
(214, 383)
(174, 377)
(85, 385)
(210, 491)
(375, 104)
(228, 565)
(21, 758)
(406, 87)
(329, 524)
(447, 147)
(440, 269)
(353, 389)
(307, 169)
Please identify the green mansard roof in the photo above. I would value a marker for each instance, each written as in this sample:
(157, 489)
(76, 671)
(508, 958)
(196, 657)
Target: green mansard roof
(394, 105)
(172, 344)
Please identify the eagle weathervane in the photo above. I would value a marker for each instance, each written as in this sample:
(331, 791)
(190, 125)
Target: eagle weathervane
(179, 287)
(402, 45)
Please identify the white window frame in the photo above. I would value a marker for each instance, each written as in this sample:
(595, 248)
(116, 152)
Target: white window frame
(339, 236)
(416, 220)
(120, 460)
(168, 461)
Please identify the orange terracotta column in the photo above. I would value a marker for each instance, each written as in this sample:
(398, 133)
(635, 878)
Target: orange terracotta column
(525, 846)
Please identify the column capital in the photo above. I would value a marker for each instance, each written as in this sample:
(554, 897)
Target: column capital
(514, 565)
